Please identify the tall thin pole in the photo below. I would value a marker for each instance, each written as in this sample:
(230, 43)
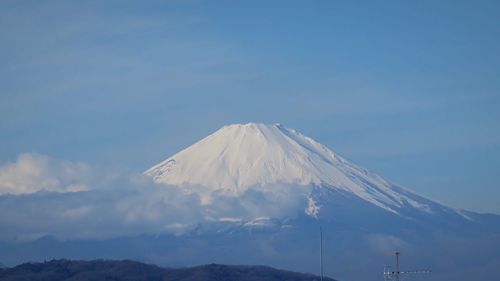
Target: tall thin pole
(397, 266)
(321, 252)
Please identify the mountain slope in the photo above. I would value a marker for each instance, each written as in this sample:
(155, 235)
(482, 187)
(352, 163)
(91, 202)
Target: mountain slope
(243, 156)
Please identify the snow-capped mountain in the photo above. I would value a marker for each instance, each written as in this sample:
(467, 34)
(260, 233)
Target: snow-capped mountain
(244, 156)
(258, 194)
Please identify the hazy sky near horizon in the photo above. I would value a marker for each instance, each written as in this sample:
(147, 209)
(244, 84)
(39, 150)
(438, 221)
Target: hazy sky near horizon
(408, 89)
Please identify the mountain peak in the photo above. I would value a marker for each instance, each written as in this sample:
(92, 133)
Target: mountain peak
(238, 156)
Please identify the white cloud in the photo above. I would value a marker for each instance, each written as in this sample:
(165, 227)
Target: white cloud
(112, 206)
(386, 244)
(34, 172)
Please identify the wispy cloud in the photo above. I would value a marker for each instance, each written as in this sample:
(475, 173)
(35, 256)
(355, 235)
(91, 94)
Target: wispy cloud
(45, 196)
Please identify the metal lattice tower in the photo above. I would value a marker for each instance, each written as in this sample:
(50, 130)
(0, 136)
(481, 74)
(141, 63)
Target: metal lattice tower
(397, 274)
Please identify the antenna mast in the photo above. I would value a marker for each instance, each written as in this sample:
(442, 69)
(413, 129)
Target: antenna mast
(398, 274)
(321, 252)
(397, 265)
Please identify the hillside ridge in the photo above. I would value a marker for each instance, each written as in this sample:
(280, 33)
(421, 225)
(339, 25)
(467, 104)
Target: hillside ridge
(74, 270)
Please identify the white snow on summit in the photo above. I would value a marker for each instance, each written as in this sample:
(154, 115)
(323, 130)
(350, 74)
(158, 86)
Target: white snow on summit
(239, 156)
(242, 156)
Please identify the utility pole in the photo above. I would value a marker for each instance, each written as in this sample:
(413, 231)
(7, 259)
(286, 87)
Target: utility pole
(321, 252)
(397, 266)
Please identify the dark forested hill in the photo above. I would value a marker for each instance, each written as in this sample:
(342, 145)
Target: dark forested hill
(130, 270)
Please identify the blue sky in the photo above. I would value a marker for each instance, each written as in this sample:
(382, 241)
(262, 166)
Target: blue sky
(407, 89)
